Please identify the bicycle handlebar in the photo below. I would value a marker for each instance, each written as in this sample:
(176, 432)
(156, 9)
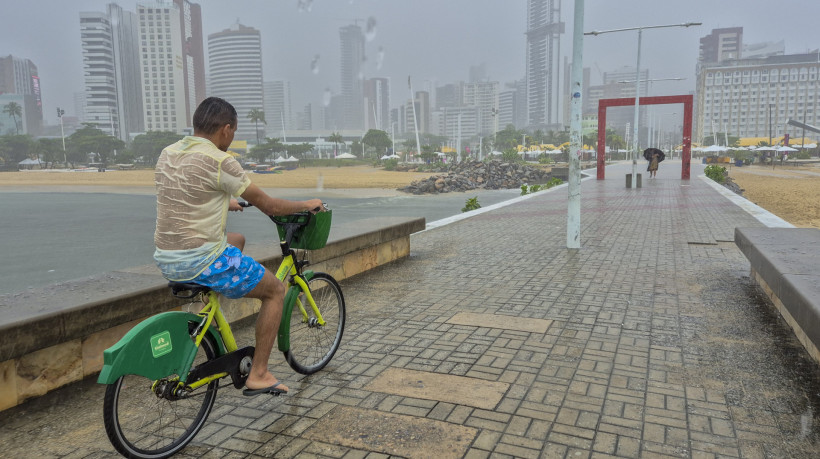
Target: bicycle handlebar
(317, 209)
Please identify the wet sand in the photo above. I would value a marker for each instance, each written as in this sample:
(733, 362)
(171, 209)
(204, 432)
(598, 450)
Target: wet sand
(790, 192)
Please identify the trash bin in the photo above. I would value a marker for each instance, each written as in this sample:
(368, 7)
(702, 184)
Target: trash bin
(738, 162)
(704, 160)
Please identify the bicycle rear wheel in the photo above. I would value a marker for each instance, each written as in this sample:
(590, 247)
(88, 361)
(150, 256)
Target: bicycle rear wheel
(143, 423)
(313, 345)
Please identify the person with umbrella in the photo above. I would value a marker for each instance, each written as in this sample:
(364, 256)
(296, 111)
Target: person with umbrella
(654, 156)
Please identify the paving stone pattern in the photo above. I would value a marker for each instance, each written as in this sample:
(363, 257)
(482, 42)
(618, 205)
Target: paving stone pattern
(659, 346)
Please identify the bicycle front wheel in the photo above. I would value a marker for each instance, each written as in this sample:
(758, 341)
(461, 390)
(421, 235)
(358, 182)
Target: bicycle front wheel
(313, 345)
(143, 421)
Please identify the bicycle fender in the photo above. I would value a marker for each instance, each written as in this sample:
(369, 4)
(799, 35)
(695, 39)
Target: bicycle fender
(155, 348)
(283, 337)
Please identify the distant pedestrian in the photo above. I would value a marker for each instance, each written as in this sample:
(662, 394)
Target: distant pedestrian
(654, 160)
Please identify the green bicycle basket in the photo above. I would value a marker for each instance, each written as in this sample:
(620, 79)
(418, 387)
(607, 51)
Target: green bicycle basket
(312, 236)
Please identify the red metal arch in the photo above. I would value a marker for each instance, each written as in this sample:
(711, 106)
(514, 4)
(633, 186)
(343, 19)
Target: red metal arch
(686, 100)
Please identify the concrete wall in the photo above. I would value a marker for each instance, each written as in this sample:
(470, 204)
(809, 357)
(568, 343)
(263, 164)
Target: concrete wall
(41, 352)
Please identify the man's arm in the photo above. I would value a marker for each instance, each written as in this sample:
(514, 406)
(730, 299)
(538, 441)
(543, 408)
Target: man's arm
(275, 206)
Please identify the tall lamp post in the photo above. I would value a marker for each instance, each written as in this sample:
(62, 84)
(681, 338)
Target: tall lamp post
(640, 30)
(60, 113)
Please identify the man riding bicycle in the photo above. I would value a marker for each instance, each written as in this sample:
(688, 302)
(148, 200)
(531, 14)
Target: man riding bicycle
(197, 183)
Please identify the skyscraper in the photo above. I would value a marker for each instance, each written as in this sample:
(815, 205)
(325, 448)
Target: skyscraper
(193, 54)
(19, 77)
(352, 47)
(544, 29)
(164, 87)
(113, 93)
(235, 69)
(377, 104)
(277, 105)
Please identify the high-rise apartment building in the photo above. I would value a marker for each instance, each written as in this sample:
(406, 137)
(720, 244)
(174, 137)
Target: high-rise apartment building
(544, 29)
(235, 70)
(193, 54)
(757, 97)
(18, 77)
(164, 86)
(484, 97)
(172, 64)
(111, 64)
(277, 106)
(721, 44)
(352, 57)
(377, 104)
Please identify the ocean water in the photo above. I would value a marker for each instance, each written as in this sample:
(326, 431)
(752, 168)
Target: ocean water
(51, 237)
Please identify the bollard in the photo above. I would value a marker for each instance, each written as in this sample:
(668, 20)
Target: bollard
(629, 181)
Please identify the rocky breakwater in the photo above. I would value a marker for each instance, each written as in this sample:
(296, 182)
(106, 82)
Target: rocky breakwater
(492, 175)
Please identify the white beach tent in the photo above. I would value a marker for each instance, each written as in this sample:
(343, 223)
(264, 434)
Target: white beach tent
(786, 149)
(279, 160)
(290, 159)
(345, 156)
(715, 149)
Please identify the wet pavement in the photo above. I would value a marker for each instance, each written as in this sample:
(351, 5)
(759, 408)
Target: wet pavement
(494, 340)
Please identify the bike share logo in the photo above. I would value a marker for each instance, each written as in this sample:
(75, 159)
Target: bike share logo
(161, 344)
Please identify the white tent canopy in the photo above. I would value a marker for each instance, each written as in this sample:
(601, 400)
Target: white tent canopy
(290, 160)
(390, 157)
(279, 160)
(786, 149)
(345, 156)
(715, 148)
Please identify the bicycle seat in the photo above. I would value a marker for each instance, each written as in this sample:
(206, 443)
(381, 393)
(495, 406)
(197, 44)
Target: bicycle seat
(187, 289)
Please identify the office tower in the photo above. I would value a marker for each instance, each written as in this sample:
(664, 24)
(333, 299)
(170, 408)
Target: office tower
(377, 104)
(544, 29)
(277, 105)
(235, 70)
(352, 57)
(757, 97)
(111, 63)
(20, 82)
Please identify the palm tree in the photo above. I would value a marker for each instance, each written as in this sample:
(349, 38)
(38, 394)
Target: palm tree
(14, 110)
(256, 115)
(337, 139)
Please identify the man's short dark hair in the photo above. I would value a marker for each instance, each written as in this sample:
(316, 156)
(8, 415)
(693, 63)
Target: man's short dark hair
(212, 114)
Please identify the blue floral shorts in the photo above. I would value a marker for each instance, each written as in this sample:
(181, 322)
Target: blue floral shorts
(232, 274)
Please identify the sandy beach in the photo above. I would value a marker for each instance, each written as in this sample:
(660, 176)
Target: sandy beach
(790, 192)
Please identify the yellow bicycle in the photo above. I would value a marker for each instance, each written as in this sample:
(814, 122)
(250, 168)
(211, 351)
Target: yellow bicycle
(164, 374)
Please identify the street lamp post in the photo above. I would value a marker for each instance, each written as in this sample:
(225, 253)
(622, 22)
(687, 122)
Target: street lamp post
(638, 85)
(60, 113)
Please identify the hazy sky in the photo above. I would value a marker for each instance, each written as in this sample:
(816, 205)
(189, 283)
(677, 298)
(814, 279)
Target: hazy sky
(428, 39)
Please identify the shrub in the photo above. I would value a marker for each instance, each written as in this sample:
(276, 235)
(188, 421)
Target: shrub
(553, 182)
(534, 188)
(524, 189)
(802, 155)
(471, 204)
(716, 173)
(391, 164)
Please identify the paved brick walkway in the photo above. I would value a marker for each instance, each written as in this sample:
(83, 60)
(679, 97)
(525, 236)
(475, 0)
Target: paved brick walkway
(494, 340)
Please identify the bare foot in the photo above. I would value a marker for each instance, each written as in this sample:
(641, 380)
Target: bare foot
(260, 382)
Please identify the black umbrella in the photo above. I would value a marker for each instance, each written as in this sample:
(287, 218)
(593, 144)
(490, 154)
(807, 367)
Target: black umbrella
(647, 154)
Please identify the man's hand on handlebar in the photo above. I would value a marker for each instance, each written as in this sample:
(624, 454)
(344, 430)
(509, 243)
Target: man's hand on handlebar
(235, 205)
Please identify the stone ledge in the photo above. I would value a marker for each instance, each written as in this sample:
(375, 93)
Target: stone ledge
(785, 268)
(55, 335)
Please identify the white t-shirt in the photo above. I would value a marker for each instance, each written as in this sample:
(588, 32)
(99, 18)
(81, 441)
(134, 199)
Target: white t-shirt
(195, 182)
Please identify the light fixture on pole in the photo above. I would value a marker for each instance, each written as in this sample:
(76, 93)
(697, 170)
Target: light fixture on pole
(638, 84)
